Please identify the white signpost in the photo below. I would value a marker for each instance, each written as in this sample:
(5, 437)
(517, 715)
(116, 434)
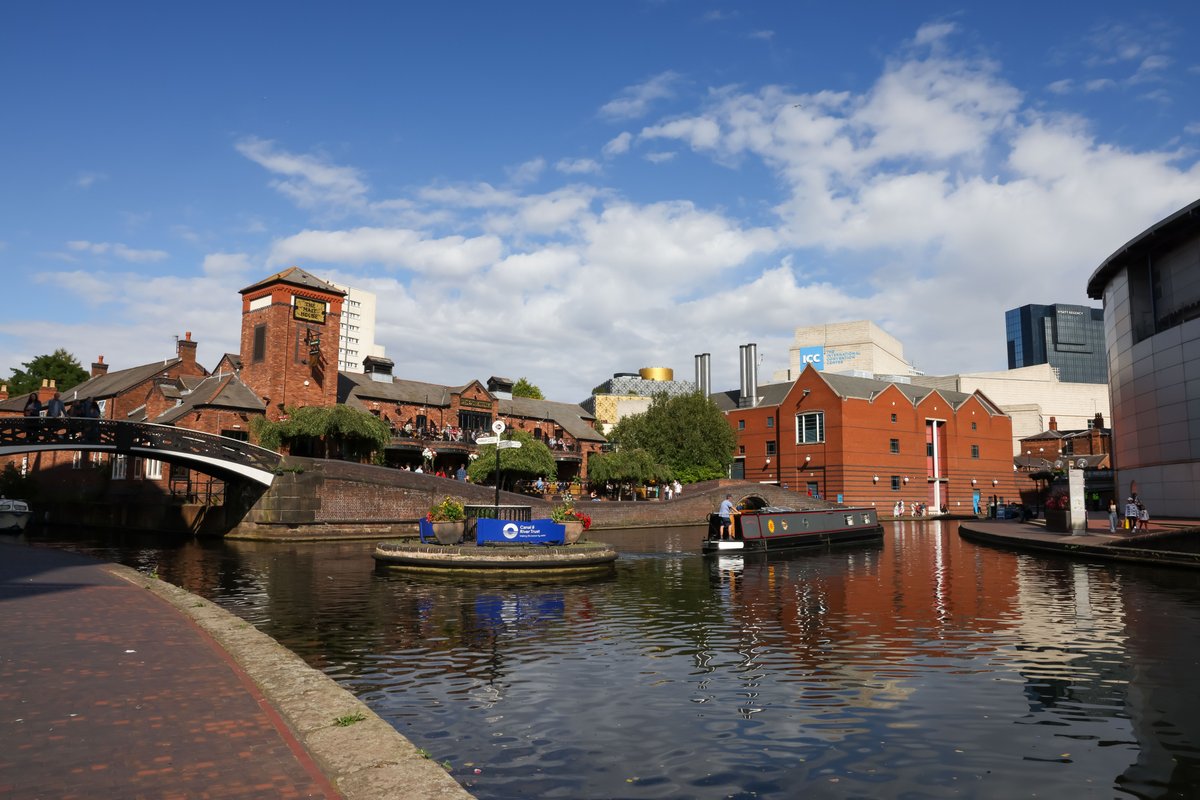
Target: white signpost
(501, 444)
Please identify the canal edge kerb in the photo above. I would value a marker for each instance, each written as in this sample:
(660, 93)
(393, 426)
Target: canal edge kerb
(366, 760)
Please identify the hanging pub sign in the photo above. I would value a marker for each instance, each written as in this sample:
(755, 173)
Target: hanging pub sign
(309, 310)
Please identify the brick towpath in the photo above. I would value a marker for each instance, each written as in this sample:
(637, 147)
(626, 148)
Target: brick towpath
(116, 685)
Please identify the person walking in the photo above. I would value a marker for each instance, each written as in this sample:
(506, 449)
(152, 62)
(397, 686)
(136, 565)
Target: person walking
(1143, 517)
(1112, 515)
(725, 512)
(1131, 514)
(56, 408)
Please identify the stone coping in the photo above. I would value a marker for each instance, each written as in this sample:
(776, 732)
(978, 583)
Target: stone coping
(496, 558)
(366, 760)
(1090, 545)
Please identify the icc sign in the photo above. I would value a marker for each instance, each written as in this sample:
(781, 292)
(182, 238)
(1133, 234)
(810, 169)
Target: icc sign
(814, 356)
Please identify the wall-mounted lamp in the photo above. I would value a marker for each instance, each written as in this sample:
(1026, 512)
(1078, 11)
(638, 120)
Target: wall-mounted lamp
(973, 481)
(995, 482)
(906, 479)
(768, 461)
(874, 479)
(806, 393)
(807, 459)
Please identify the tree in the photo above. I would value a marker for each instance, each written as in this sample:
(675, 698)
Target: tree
(687, 434)
(60, 366)
(629, 465)
(531, 460)
(523, 388)
(330, 431)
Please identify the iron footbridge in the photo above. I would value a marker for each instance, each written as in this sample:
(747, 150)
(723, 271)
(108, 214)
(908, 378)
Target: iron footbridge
(206, 452)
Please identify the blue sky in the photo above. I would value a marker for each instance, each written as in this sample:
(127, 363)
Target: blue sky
(562, 191)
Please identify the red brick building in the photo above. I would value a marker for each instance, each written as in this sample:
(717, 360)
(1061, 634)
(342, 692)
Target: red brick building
(288, 359)
(869, 442)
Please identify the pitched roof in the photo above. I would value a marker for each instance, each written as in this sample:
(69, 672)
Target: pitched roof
(571, 417)
(849, 386)
(295, 276)
(217, 391)
(354, 388)
(114, 383)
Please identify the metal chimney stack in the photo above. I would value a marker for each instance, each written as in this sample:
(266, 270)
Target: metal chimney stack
(703, 375)
(752, 374)
(743, 392)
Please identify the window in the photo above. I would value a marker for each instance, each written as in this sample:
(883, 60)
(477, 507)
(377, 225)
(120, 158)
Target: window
(894, 445)
(77, 459)
(973, 426)
(119, 466)
(153, 469)
(138, 468)
(974, 451)
(810, 427)
(770, 422)
(895, 483)
(741, 449)
(929, 449)
(770, 448)
(741, 424)
(893, 419)
(260, 343)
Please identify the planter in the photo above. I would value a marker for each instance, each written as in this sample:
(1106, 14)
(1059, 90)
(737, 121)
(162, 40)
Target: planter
(1058, 520)
(448, 532)
(572, 531)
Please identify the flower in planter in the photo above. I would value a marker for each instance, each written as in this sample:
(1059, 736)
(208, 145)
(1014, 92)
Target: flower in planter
(1059, 501)
(565, 512)
(449, 510)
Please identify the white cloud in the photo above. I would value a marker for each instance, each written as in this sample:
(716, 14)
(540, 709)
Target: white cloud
(635, 101)
(659, 158)
(527, 172)
(699, 133)
(121, 251)
(618, 145)
(577, 166)
(309, 181)
(85, 180)
(1064, 86)
(450, 256)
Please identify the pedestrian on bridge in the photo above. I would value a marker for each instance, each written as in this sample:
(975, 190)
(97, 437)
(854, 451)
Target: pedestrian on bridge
(55, 407)
(33, 406)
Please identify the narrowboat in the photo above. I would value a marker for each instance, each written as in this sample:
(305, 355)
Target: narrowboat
(777, 527)
(14, 515)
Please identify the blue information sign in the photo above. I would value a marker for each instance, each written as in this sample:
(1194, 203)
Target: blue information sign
(537, 531)
(814, 356)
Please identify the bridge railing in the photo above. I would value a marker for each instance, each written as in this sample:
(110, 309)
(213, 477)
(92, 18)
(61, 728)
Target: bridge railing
(64, 433)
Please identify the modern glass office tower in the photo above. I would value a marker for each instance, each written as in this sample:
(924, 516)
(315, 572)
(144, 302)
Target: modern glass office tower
(1068, 338)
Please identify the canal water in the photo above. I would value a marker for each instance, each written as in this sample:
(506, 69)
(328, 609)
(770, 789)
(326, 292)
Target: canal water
(924, 667)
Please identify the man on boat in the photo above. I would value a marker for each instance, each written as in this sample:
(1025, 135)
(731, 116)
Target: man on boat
(726, 513)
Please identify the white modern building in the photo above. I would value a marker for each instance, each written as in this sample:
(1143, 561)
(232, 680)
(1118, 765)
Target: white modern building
(859, 348)
(1151, 293)
(356, 340)
(1031, 396)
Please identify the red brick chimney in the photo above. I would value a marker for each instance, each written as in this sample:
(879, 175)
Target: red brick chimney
(99, 367)
(47, 391)
(4, 392)
(1053, 424)
(187, 349)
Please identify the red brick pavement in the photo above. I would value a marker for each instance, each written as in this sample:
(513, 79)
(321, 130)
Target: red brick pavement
(106, 691)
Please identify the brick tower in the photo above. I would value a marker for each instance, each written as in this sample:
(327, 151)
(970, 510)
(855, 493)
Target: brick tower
(290, 326)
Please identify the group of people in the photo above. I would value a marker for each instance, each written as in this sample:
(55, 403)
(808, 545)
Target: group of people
(448, 433)
(915, 509)
(1137, 516)
(55, 407)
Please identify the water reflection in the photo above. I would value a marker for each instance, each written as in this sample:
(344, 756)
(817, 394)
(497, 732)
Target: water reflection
(924, 667)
